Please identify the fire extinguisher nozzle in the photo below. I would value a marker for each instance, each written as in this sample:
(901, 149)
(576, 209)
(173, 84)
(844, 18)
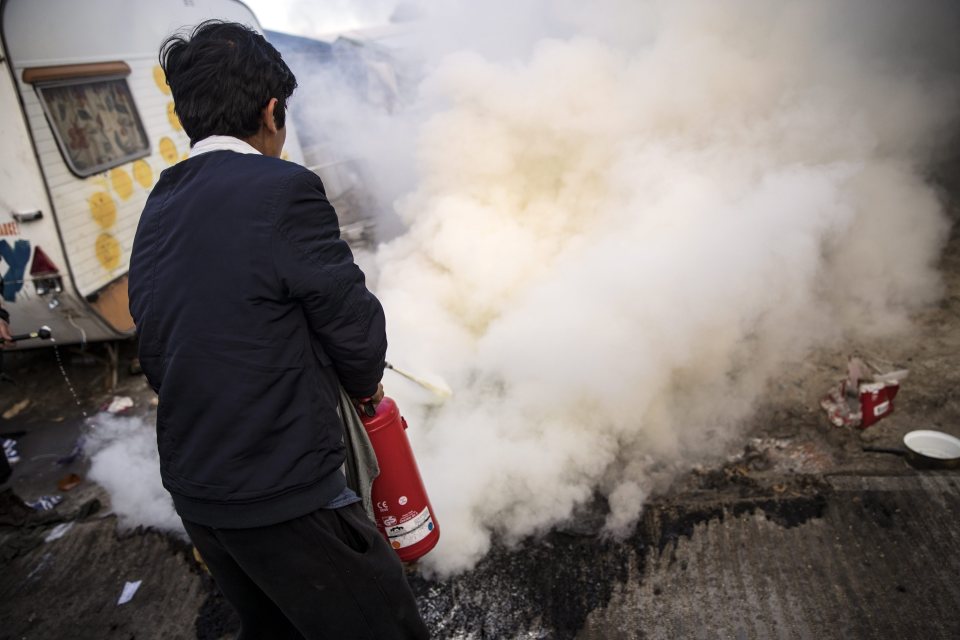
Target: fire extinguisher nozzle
(440, 391)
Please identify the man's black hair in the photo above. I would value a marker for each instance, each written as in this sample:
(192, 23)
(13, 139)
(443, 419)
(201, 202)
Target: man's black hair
(222, 76)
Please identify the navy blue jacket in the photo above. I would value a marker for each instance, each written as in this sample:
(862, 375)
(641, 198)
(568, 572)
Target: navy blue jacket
(250, 312)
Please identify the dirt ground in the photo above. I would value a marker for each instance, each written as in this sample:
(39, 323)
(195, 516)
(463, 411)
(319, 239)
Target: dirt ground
(799, 483)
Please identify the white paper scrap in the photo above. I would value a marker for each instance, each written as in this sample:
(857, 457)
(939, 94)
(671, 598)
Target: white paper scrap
(129, 589)
(119, 404)
(58, 531)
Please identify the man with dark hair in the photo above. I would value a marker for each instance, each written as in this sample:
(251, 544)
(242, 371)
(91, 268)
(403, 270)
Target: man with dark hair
(251, 313)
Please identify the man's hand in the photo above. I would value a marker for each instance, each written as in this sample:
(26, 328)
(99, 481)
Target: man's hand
(368, 406)
(8, 340)
(378, 396)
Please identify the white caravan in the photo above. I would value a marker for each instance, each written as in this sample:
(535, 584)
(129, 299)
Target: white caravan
(87, 124)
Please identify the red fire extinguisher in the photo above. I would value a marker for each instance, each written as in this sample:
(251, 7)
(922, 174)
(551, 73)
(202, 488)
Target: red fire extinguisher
(404, 514)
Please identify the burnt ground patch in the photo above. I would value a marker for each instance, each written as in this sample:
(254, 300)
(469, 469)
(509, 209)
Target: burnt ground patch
(549, 586)
(544, 588)
(871, 557)
(665, 527)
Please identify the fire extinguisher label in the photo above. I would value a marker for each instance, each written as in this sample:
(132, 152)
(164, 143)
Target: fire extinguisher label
(410, 532)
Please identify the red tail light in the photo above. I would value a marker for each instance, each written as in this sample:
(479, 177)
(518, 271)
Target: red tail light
(46, 276)
(42, 265)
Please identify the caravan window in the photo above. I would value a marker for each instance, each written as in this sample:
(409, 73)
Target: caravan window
(96, 123)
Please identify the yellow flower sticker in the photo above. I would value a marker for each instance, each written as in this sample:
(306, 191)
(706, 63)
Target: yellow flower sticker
(103, 209)
(161, 79)
(143, 174)
(172, 117)
(122, 183)
(168, 150)
(108, 251)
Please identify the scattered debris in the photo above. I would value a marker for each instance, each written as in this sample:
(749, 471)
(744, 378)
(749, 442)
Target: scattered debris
(129, 590)
(736, 471)
(200, 561)
(74, 453)
(69, 481)
(119, 404)
(16, 409)
(59, 531)
(864, 396)
(781, 455)
(10, 451)
(45, 503)
(43, 564)
(14, 512)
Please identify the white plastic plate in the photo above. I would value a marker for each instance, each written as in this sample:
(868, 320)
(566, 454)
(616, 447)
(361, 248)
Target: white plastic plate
(934, 444)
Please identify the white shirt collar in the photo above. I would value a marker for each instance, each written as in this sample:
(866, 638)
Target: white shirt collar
(221, 143)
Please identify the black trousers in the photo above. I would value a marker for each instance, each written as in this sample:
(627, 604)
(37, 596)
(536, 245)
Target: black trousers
(326, 575)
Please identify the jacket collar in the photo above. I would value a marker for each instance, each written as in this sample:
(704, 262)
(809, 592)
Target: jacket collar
(221, 143)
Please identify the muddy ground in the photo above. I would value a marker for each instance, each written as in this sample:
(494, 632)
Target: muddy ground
(802, 535)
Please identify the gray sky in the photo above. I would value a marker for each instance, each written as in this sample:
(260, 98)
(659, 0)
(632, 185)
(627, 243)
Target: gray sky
(303, 17)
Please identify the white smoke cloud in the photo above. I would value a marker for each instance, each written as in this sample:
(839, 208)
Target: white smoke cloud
(614, 244)
(125, 462)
